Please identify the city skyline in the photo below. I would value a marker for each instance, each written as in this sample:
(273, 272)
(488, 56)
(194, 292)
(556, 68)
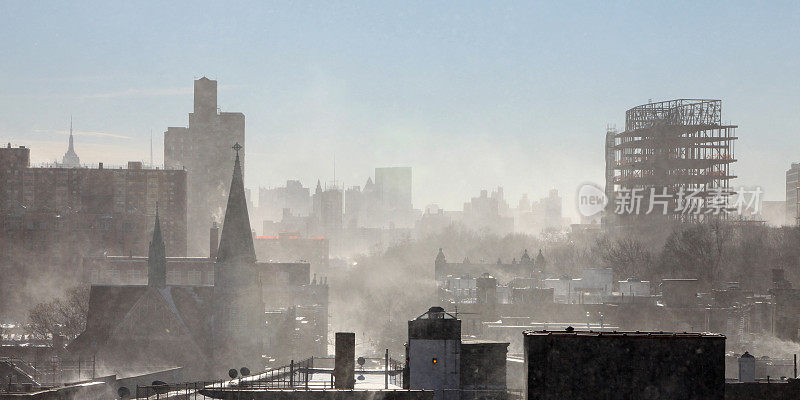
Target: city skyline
(511, 92)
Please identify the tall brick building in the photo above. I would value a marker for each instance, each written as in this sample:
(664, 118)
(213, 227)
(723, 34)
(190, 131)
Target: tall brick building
(52, 216)
(203, 149)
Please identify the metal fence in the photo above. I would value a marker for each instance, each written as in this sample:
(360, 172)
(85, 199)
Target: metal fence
(294, 375)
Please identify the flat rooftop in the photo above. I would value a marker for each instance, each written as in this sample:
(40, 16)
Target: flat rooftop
(616, 334)
(482, 341)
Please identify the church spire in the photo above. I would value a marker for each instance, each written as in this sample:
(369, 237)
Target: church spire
(236, 242)
(157, 258)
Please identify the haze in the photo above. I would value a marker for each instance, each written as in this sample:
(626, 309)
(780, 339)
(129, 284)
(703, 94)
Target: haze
(470, 95)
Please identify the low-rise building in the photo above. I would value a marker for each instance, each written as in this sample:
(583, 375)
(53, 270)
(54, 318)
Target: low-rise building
(573, 364)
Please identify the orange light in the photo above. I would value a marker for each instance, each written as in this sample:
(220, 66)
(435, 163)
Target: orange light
(435, 361)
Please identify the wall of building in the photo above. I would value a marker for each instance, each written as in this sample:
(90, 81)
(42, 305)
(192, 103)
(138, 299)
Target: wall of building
(582, 365)
(435, 364)
(204, 150)
(111, 209)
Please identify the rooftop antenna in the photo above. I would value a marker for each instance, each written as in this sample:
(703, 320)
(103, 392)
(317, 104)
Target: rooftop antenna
(151, 147)
(334, 169)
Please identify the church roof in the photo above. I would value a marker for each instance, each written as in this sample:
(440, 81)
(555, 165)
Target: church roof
(236, 241)
(110, 306)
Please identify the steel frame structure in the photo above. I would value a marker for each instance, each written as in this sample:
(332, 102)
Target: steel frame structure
(676, 145)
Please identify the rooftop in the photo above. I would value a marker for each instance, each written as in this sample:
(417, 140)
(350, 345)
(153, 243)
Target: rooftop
(636, 334)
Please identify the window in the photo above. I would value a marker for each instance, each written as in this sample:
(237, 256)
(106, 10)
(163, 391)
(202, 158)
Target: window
(234, 319)
(131, 276)
(173, 277)
(194, 277)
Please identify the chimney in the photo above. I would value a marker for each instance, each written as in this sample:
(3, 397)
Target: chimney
(213, 243)
(344, 367)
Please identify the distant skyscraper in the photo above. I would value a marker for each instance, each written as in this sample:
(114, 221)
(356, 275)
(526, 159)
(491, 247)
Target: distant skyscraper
(293, 196)
(487, 213)
(70, 159)
(328, 209)
(792, 188)
(394, 187)
(552, 209)
(203, 149)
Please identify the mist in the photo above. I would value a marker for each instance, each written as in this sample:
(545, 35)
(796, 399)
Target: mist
(187, 190)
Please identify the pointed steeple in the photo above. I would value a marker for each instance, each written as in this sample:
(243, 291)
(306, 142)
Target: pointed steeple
(71, 158)
(236, 242)
(440, 259)
(526, 258)
(157, 258)
(319, 188)
(71, 148)
(541, 263)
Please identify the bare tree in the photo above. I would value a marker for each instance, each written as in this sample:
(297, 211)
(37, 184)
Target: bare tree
(64, 316)
(628, 257)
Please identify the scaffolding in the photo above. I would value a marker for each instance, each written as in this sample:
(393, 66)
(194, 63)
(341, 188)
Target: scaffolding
(674, 147)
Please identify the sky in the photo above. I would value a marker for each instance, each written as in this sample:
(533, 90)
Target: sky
(471, 95)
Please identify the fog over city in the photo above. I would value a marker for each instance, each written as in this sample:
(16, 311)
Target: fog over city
(446, 201)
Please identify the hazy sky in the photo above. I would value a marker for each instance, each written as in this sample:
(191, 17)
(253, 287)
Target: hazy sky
(471, 95)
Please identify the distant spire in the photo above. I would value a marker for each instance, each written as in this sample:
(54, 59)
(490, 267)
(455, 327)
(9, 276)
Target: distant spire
(541, 263)
(319, 187)
(526, 258)
(157, 257)
(70, 158)
(71, 148)
(236, 241)
(440, 258)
